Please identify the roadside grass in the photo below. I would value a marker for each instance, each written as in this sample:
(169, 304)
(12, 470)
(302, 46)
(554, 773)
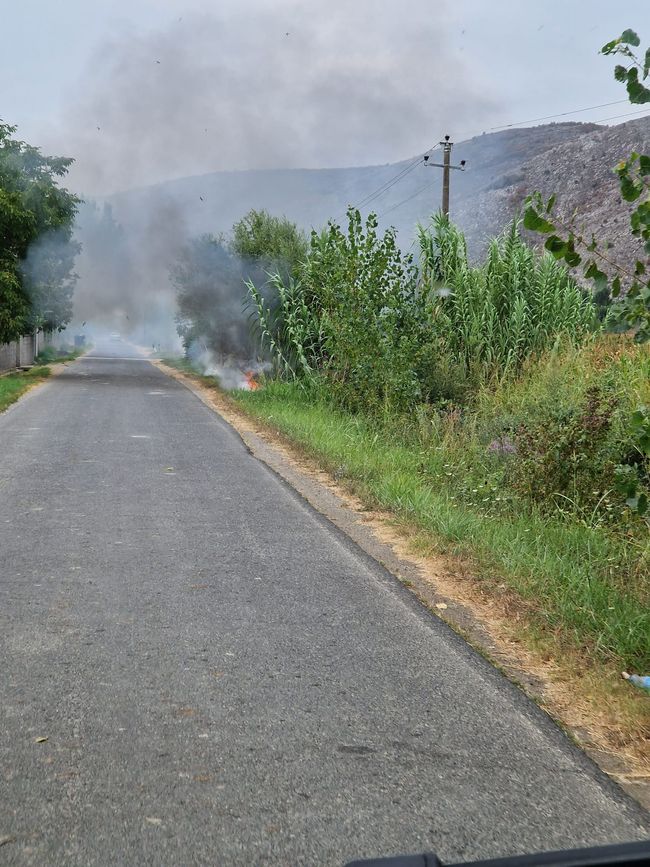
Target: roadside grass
(579, 585)
(186, 366)
(50, 355)
(14, 385)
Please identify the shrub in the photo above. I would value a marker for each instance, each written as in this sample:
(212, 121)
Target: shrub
(272, 242)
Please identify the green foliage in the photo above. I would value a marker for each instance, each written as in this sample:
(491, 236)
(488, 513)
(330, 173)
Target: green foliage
(566, 457)
(36, 248)
(629, 74)
(630, 290)
(357, 316)
(289, 327)
(387, 336)
(567, 418)
(271, 242)
(14, 304)
(491, 318)
(633, 477)
(52, 354)
(373, 315)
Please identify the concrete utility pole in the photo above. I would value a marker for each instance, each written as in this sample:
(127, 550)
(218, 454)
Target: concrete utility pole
(445, 165)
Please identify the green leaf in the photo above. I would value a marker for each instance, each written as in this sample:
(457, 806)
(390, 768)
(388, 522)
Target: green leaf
(535, 223)
(646, 64)
(629, 37)
(642, 504)
(620, 72)
(572, 258)
(644, 163)
(616, 287)
(551, 203)
(636, 91)
(639, 268)
(610, 47)
(594, 273)
(629, 189)
(556, 246)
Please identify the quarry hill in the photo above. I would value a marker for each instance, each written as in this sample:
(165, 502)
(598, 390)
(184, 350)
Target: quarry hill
(574, 160)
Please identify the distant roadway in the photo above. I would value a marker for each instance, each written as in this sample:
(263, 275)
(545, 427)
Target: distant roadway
(196, 668)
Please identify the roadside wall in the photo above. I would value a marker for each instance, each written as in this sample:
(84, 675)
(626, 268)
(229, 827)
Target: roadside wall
(8, 356)
(23, 352)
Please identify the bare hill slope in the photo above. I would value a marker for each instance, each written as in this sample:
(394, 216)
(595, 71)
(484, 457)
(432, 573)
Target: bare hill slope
(574, 160)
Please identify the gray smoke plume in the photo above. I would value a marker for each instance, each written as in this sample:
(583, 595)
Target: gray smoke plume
(295, 85)
(245, 87)
(123, 271)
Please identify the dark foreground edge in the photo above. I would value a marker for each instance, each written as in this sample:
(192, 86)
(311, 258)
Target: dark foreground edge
(632, 854)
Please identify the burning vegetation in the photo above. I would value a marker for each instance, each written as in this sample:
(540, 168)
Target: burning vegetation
(216, 320)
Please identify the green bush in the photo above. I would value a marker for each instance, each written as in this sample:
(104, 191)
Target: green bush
(388, 336)
(374, 317)
(272, 242)
(568, 457)
(358, 316)
(560, 431)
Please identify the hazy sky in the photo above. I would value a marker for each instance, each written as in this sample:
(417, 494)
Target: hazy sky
(144, 90)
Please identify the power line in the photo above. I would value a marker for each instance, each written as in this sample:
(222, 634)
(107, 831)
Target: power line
(402, 172)
(616, 116)
(561, 114)
(477, 133)
(408, 198)
(411, 166)
(428, 186)
(392, 181)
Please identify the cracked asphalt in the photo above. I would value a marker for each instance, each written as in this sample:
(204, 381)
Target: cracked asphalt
(197, 668)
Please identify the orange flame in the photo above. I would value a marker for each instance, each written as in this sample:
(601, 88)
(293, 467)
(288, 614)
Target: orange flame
(251, 382)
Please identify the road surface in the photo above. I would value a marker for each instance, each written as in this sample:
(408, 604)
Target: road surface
(198, 669)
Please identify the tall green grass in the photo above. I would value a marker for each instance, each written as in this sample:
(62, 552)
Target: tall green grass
(493, 316)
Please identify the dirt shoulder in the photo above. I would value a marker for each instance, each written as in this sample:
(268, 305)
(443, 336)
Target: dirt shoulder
(590, 704)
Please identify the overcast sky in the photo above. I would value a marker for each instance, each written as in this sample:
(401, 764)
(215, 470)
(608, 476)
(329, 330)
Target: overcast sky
(144, 90)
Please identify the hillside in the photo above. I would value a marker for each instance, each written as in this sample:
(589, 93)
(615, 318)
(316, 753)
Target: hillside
(571, 159)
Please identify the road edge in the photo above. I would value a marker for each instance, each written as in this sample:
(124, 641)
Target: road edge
(349, 516)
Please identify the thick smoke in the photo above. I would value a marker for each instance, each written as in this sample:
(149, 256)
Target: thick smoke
(124, 269)
(212, 299)
(247, 87)
(288, 86)
(49, 278)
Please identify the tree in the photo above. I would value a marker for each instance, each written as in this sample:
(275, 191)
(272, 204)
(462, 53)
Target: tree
(210, 279)
(36, 247)
(275, 243)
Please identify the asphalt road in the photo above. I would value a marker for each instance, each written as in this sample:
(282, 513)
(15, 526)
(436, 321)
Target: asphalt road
(222, 678)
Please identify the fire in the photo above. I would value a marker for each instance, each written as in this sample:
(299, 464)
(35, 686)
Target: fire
(251, 382)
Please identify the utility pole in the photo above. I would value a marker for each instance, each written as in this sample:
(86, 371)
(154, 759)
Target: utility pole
(446, 166)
